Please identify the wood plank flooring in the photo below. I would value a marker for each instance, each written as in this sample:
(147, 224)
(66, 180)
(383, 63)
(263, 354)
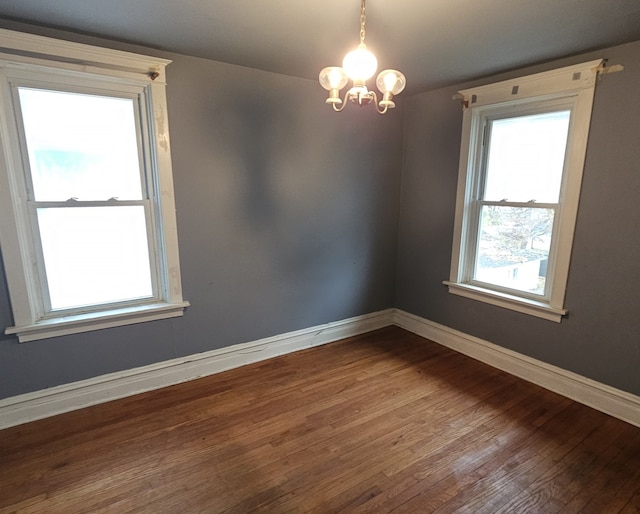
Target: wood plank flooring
(385, 422)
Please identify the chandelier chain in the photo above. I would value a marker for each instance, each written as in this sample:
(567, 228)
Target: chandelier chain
(363, 20)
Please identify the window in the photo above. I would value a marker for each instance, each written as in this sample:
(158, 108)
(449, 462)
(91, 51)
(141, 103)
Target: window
(88, 230)
(522, 155)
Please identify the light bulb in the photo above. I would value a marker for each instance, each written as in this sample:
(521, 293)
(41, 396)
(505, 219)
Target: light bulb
(391, 81)
(360, 64)
(333, 77)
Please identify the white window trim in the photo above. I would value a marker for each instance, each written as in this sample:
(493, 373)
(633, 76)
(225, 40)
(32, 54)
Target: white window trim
(576, 81)
(30, 52)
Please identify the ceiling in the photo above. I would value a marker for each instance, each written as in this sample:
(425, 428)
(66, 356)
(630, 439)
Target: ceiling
(434, 42)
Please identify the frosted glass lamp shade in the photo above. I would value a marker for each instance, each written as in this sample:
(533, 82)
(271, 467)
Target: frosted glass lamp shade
(391, 81)
(333, 77)
(360, 64)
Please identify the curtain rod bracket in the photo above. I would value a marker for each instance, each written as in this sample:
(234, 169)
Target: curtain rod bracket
(603, 68)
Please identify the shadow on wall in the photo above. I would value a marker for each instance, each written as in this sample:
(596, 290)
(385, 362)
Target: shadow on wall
(257, 148)
(297, 202)
(6, 316)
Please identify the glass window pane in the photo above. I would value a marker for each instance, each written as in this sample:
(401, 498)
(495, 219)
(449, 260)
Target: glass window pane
(513, 247)
(82, 146)
(95, 255)
(526, 158)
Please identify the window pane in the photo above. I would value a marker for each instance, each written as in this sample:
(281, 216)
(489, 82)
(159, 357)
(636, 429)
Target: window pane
(95, 255)
(513, 247)
(526, 158)
(81, 146)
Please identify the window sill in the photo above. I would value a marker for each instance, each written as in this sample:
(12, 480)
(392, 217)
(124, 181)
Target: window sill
(62, 326)
(507, 301)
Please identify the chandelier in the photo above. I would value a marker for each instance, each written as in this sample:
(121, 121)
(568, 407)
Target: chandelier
(360, 65)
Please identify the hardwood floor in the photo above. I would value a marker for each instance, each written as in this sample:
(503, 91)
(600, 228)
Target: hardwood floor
(385, 422)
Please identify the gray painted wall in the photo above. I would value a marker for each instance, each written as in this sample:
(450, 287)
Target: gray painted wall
(600, 338)
(287, 218)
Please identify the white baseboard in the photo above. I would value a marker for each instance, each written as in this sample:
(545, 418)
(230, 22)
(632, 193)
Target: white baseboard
(56, 400)
(617, 403)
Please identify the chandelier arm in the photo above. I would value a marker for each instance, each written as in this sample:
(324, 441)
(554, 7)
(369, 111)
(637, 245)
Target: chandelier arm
(344, 103)
(375, 102)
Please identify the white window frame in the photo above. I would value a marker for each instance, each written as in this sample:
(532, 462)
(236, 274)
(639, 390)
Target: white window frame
(570, 87)
(31, 59)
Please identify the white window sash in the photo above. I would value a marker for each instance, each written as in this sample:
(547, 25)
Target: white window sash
(471, 258)
(39, 266)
